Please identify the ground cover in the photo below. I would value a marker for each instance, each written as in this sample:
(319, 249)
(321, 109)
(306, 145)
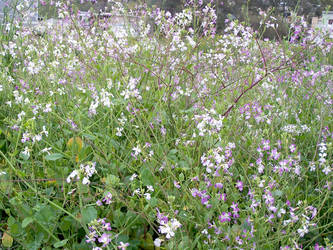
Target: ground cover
(178, 138)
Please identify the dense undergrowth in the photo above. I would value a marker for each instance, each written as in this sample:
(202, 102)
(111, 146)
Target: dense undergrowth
(177, 138)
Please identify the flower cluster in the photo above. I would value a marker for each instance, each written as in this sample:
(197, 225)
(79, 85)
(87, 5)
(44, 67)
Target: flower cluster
(218, 159)
(208, 123)
(99, 232)
(84, 173)
(107, 200)
(295, 129)
(322, 158)
(167, 227)
(147, 194)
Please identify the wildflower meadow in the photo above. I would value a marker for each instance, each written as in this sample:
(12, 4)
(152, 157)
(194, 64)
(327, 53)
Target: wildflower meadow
(166, 134)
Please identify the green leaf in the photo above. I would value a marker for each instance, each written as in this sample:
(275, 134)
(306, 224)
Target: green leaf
(88, 136)
(277, 193)
(27, 221)
(45, 213)
(119, 218)
(60, 243)
(53, 157)
(112, 180)
(66, 223)
(184, 165)
(153, 202)
(7, 240)
(89, 214)
(173, 151)
(83, 189)
(146, 176)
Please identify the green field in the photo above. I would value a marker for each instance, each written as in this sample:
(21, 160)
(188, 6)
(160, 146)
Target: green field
(177, 138)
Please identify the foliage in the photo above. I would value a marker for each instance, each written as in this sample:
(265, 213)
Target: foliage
(172, 138)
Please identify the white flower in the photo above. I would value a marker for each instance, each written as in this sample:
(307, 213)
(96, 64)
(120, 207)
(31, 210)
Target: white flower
(137, 191)
(327, 170)
(90, 169)
(157, 242)
(281, 212)
(150, 188)
(166, 229)
(136, 150)
(133, 177)
(37, 138)
(302, 231)
(46, 150)
(169, 228)
(72, 191)
(175, 224)
(1, 88)
(74, 174)
(85, 181)
(45, 132)
(119, 130)
(26, 151)
(47, 108)
(20, 115)
(148, 196)
(312, 167)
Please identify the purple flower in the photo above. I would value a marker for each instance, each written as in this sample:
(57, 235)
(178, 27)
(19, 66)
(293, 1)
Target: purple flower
(91, 237)
(107, 198)
(265, 144)
(205, 199)
(275, 154)
(163, 131)
(123, 245)
(107, 226)
(161, 218)
(239, 185)
(292, 148)
(219, 185)
(223, 197)
(225, 217)
(195, 192)
(176, 184)
(105, 239)
(234, 207)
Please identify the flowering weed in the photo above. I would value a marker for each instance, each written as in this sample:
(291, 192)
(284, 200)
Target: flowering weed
(175, 138)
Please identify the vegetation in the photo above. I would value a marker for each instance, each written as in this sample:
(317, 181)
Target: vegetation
(174, 138)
